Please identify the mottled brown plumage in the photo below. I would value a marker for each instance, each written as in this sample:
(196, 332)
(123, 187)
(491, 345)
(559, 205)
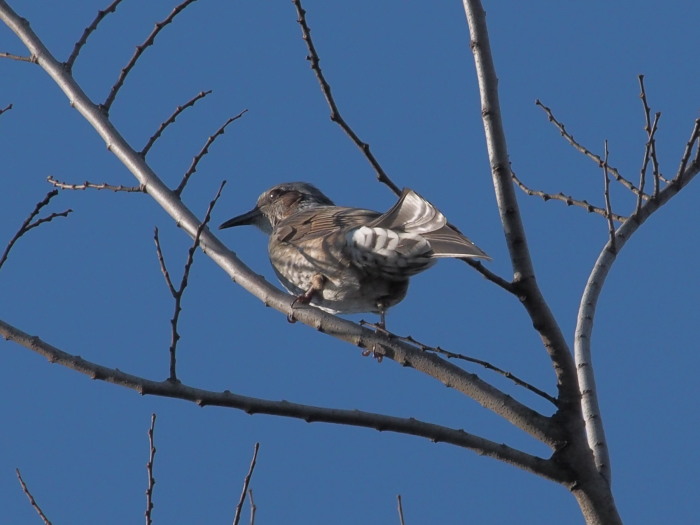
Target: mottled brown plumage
(347, 260)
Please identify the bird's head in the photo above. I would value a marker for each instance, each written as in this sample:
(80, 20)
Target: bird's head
(278, 203)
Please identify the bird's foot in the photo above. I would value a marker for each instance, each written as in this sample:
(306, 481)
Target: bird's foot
(317, 282)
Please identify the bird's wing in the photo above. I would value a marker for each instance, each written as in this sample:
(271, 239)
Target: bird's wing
(413, 214)
(448, 242)
(321, 221)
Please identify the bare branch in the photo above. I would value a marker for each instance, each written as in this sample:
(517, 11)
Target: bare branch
(453, 355)
(253, 507)
(85, 185)
(88, 30)
(525, 285)
(587, 308)
(170, 120)
(32, 501)
(489, 275)
(650, 147)
(149, 470)
(20, 58)
(568, 200)
(582, 149)
(547, 468)
(335, 114)
(177, 293)
(246, 482)
(687, 152)
(606, 194)
(107, 104)
(6, 108)
(400, 508)
(205, 149)
(518, 414)
(29, 223)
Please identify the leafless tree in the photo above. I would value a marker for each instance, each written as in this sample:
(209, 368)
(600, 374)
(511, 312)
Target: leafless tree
(574, 432)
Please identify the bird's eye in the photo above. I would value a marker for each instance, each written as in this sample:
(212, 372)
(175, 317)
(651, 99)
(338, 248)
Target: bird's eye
(274, 194)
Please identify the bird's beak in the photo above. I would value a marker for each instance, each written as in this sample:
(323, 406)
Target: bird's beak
(251, 217)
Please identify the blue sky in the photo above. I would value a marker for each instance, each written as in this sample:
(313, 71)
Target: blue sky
(403, 75)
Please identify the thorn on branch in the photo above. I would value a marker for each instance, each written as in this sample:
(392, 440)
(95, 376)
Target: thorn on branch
(335, 113)
(30, 222)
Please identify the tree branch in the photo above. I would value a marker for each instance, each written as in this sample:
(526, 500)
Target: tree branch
(149, 470)
(246, 482)
(88, 30)
(29, 223)
(335, 113)
(32, 501)
(85, 185)
(523, 417)
(585, 151)
(171, 119)
(107, 104)
(524, 282)
(204, 151)
(568, 200)
(587, 308)
(251, 405)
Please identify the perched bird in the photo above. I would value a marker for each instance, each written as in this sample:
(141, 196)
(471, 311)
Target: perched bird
(349, 260)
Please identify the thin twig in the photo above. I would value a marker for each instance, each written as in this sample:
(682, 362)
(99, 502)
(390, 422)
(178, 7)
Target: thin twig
(489, 275)
(107, 104)
(246, 482)
(21, 58)
(177, 293)
(149, 470)
(582, 149)
(453, 355)
(567, 199)
(88, 30)
(335, 114)
(400, 506)
(28, 224)
(205, 149)
(253, 507)
(85, 185)
(687, 152)
(32, 501)
(650, 147)
(606, 193)
(171, 119)
(6, 108)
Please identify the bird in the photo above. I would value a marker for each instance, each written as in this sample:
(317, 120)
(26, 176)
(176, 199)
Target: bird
(351, 260)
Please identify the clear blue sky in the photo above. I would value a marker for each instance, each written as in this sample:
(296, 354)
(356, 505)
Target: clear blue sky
(403, 76)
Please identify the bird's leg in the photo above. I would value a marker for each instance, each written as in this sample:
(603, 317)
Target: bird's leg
(317, 282)
(382, 316)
